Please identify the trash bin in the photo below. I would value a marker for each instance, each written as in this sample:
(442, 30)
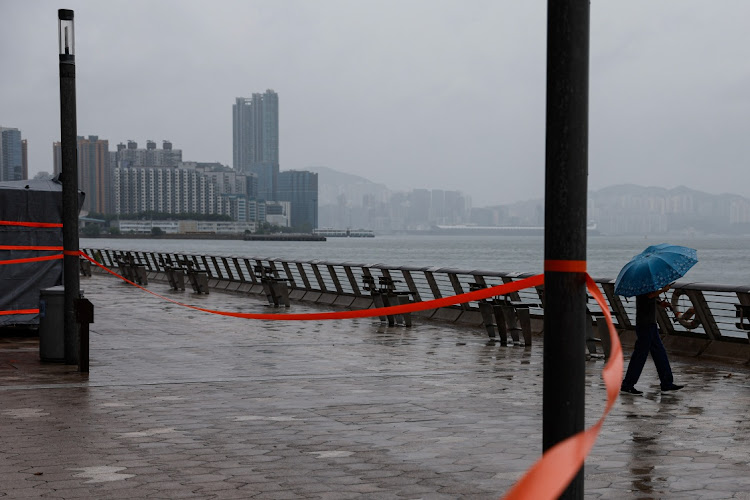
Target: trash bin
(51, 320)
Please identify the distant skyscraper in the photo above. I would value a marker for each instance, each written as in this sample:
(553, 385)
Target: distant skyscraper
(94, 173)
(25, 159)
(255, 126)
(300, 187)
(11, 155)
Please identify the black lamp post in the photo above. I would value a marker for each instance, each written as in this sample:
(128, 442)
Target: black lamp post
(565, 225)
(68, 146)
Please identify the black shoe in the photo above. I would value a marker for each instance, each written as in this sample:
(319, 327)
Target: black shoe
(631, 390)
(671, 387)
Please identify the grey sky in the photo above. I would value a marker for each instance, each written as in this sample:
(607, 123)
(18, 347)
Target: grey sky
(436, 94)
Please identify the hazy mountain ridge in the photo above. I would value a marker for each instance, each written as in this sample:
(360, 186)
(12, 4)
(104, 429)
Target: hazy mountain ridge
(610, 194)
(617, 209)
(634, 209)
(334, 184)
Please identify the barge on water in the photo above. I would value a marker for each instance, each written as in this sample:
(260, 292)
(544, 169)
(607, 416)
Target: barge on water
(344, 233)
(284, 237)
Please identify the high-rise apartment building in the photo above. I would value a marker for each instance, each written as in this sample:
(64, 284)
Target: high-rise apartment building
(163, 190)
(11, 155)
(300, 187)
(133, 156)
(94, 172)
(255, 127)
(190, 188)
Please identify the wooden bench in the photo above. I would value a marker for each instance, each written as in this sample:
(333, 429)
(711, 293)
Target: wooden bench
(175, 275)
(597, 325)
(386, 295)
(197, 277)
(276, 289)
(132, 270)
(742, 312)
(85, 266)
(508, 316)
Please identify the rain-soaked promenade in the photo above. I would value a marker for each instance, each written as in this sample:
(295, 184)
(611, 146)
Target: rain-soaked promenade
(182, 404)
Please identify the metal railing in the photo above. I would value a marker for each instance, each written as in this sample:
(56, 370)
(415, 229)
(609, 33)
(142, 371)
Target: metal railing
(720, 312)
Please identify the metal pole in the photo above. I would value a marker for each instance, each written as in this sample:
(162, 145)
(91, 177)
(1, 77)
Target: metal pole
(565, 225)
(68, 145)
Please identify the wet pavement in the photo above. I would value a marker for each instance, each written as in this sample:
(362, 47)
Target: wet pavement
(183, 404)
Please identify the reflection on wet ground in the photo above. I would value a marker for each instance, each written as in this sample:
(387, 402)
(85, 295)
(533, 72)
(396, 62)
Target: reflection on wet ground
(197, 406)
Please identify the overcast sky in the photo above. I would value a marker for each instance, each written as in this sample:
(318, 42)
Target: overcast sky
(435, 94)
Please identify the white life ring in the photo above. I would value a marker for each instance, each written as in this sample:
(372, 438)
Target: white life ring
(688, 319)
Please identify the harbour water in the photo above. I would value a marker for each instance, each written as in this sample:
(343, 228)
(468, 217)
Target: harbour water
(723, 259)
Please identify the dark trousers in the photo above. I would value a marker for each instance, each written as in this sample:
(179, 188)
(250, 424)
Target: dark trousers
(648, 341)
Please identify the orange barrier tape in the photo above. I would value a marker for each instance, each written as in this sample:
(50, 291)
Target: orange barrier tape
(31, 259)
(72, 252)
(19, 311)
(565, 266)
(552, 473)
(484, 293)
(27, 247)
(29, 224)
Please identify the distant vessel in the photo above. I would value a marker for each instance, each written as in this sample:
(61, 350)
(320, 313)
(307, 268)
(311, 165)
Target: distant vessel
(344, 233)
(470, 229)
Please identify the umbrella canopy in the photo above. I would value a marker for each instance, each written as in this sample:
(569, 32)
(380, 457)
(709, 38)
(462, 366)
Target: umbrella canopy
(654, 268)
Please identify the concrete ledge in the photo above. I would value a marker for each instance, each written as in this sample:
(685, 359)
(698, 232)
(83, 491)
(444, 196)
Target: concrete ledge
(728, 352)
(326, 298)
(426, 314)
(157, 276)
(296, 294)
(470, 318)
(445, 314)
(311, 296)
(361, 303)
(233, 286)
(222, 284)
(244, 287)
(212, 283)
(257, 289)
(684, 346)
(343, 301)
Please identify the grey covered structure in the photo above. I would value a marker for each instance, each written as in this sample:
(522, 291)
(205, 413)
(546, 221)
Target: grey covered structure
(30, 227)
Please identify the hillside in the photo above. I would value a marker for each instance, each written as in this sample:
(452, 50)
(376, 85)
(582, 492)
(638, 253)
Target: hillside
(335, 187)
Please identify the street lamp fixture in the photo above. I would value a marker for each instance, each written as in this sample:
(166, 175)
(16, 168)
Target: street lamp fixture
(66, 35)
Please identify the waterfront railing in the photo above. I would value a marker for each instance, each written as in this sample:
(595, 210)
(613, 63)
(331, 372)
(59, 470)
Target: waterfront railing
(701, 311)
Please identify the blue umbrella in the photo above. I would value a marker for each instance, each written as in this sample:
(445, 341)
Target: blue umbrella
(654, 268)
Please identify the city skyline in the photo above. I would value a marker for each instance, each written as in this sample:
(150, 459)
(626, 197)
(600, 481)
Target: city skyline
(131, 180)
(422, 94)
